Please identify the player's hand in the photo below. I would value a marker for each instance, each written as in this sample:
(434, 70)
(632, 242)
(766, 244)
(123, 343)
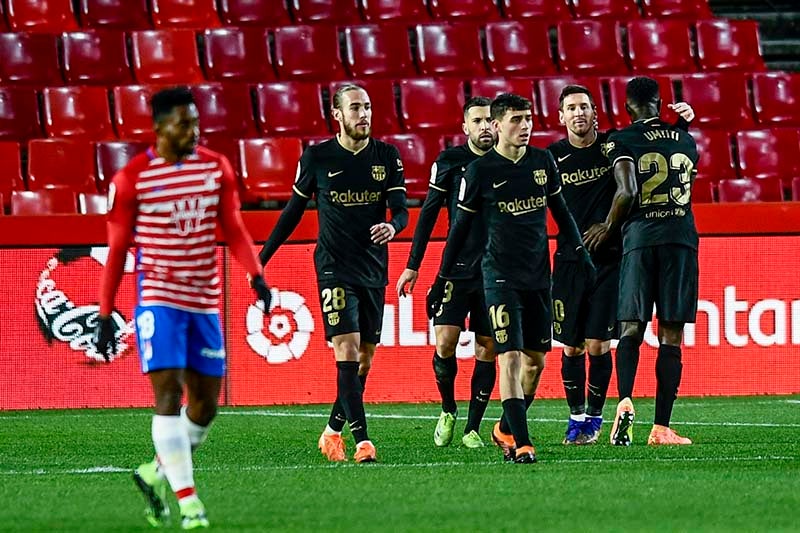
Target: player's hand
(684, 110)
(433, 302)
(105, 337)
(382, 233)
(260, 286)
(587, 266)
(596, 235)
(408, 277)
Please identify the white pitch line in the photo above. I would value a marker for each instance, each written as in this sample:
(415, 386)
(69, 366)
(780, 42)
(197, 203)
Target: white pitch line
(328, 466)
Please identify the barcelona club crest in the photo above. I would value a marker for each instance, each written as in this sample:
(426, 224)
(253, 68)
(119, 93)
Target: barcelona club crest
(540, 176)
(333, 318)
(605, 148)
(378, 172)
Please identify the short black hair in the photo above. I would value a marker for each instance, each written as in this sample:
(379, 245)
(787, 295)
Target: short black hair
(642, 91)
(336, 100)
(508, 101)
(164, 101)
(574, 89)
(476, 101)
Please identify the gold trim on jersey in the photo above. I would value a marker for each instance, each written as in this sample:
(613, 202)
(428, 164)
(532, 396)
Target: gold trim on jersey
(467, 209)
(515, 161)
(295, 189)
(432, 186)
(390, 189)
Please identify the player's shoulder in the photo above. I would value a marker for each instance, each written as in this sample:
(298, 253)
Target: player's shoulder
(383, 148)
(538, 155)
(452, 156)
(560, 147)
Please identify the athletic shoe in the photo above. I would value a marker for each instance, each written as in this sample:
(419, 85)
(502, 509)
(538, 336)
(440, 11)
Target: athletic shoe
(443, 434)
(591, 429)
(622, 430)
(525, 455)
(472, 440)
(332, 446)
(664, 436)
(154, 487)
(504, 441)
(573, 435)
(365, 452)
(193, 515)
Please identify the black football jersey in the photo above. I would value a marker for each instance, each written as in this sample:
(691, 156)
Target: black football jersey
(512, 198)
(352, 190)
(665, 159)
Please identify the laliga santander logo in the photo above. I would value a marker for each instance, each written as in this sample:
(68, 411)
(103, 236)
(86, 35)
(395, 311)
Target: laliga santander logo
(287, 331)
(61, 319)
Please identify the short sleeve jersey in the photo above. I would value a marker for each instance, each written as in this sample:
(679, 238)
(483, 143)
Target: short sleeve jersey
(588, 187)
(512, 198)
(351, 191)
(446, 175)
(665, 158)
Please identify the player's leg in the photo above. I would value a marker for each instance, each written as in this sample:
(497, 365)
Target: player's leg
(511, 396)
(600, 369)
(669, 369)
(484, 373)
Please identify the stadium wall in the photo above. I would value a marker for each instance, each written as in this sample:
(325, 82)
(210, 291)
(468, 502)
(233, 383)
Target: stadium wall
(746, 341)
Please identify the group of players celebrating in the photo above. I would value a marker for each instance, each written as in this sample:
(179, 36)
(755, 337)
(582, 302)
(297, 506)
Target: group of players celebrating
(626, 242)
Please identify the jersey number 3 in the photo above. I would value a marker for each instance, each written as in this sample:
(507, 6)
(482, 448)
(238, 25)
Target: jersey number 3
(655, 162)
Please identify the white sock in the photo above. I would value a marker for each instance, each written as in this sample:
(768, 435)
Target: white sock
(329, 431)
(174, 451)
(578, 418)
(197, 433)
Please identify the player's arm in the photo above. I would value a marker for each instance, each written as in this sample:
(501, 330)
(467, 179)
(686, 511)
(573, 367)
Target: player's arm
(625, 177)
(302, 190)
(396, 202)
(685, 114)
(429, 212)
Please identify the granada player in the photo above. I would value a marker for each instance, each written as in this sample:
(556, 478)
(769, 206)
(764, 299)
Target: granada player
(169, 202)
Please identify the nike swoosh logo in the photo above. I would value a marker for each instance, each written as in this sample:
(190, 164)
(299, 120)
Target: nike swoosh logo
(560, 159)
(496, 185)
(332, 174)
(543, 341)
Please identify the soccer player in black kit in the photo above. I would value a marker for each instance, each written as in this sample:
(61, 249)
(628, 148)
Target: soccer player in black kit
(654, 167)
(585, 317)
(511, 186)
(464, 291)
(354, 178)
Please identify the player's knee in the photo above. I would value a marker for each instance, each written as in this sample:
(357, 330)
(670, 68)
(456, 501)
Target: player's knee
(446, 345)
(573, 351)
(635, 330)
(597, 347)
(168, 402)
(670, 334)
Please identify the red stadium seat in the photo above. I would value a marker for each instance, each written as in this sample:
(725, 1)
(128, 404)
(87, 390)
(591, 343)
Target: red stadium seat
(448, 50)
(729, 44)
(325, 11)
(384, 111)
(10, 171)
(50, 201)
(290, 108)
(776, 98)
(133, 118)
(29, 58)
(519, 48)
(689, 9)
(260, 13)
(478, 10)
(224, 108)
(543, 139)
(394, 10)
(549, 89)
(19, 114)
(268, 167)
(719, 100)
(237, 54)
(620, 10)
(80, 112)
(770, 153)
(308, 53)
(96, 57)
(617, 86)
(418, 152)
(745, 190)
(61, 162)
(112, 156)
(184, 13)
(703, 192)
(44, 16)
(92, 203)
(222, 144)
(431, 104)
(491, 87)
(117, 14)
(551, 10)
(796, 189)
(716, 159)
(378, 50)
(660, 46)
(165, 56)
(590, 46)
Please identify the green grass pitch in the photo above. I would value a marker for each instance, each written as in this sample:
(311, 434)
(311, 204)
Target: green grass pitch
(260, 471)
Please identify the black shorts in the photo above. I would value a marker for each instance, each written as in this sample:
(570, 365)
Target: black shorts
(462, 298)
(664, 275)
(520, 319)
(581, 312)
(349, 308)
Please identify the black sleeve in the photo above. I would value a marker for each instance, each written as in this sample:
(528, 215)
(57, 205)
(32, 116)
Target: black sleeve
(566, 223)
(398, 208)
(287, 222)
(427, 219)
(682, 124)
(459, 232)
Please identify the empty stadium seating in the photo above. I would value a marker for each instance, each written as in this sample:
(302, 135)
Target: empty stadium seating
(796, 189)
(116, 14)
(165, 56)
(95, 57)
(418, 152)
(111, 156)
(617, 86)
(307, 52)
(378, 50)
(553, 10)
(325, 11)
(519, 48)
(719, 100)
(716, 159)
(50, 201)
(184, 13)
(448, 50)
(261, 13)
(268, 167)
(745, 190)
(10, 170)
(133, 118)
(728, 44)
(92, 203)
(478, 10)
(290, 108)
(688, 9)
(394, 10)
(225, 109)
(590, 47)
(549, 90)
(612, 9)
(703, 192)
(29, 59)
(543, 139)
(660, 46)
(435, 104)
(237, 54)
(61, 162)
(384, 111)
(776, 98)
(79, 111)
(44, 16)
(491, 87)
(769, 153)
(19, 114)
